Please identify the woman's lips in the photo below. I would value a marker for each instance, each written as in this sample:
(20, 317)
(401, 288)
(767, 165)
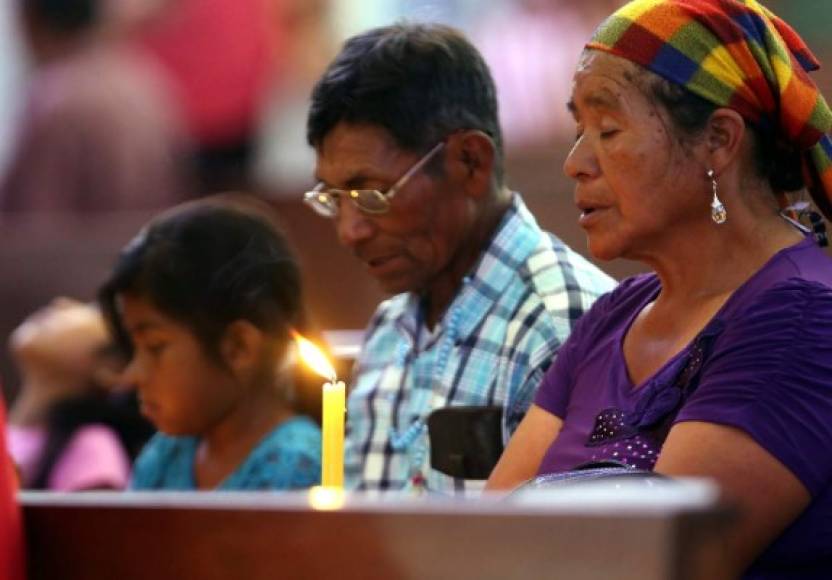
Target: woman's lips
(589, 216)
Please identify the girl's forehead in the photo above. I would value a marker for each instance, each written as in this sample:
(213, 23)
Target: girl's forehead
(138, 311)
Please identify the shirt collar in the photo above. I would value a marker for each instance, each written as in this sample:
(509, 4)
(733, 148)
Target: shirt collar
(513, 241)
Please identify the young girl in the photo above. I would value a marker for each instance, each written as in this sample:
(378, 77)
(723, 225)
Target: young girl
(204, 298)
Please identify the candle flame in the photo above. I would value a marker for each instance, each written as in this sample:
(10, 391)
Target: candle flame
(314, 357)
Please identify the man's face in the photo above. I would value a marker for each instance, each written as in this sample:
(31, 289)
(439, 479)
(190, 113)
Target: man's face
(408, 248)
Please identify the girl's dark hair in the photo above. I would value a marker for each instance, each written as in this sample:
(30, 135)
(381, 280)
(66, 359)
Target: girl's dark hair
(206, 264)
(774, 160)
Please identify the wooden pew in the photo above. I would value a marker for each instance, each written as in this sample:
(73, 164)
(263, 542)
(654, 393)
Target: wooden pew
(666, 533)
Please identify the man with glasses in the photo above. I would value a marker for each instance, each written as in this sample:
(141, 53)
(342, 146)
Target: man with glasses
(409, 158)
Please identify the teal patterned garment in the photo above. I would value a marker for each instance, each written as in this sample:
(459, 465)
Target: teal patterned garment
(289, 457)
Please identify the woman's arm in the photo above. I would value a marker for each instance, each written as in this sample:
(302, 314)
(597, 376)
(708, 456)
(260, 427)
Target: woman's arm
(768, 495)
(525, 450)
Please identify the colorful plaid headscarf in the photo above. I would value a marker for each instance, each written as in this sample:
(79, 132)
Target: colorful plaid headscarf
(736, 54)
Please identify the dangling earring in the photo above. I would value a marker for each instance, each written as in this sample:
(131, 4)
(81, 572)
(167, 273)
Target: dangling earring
(718, 213)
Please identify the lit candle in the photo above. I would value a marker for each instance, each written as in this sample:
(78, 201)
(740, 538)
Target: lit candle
(333, 411)
(332, 446)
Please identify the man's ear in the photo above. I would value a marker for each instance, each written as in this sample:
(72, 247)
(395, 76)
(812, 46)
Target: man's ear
(241, 346)
(725, 136)
(472, 156)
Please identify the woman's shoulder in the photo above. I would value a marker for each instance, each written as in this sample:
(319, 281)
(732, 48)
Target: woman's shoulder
(790, 321)
(793, 271)
(787, 302)
(805, 260)
(769, 373)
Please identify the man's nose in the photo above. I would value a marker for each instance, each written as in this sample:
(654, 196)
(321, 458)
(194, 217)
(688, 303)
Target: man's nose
(353, 225)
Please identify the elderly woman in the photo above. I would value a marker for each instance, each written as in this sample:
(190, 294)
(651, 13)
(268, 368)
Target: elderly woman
(694, 116)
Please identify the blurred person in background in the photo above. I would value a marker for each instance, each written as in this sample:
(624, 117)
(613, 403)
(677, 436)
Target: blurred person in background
(99, 131)
(204, 301)
(11, 78)
(222, 58)
(410, 162)
(532, 48)
(67, 431)
(694, 119)
(282, 161)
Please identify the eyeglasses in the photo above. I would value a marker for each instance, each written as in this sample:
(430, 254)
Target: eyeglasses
(325, 202)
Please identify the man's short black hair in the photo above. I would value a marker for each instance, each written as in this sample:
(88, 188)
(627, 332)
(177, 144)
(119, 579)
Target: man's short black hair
(420, 82)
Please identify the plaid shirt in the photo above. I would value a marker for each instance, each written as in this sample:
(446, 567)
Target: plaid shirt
(492, 347)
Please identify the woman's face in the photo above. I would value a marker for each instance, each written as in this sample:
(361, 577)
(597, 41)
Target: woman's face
(182, 390)
(636, 186)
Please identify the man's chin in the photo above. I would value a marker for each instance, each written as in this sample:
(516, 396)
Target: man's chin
(393, 286)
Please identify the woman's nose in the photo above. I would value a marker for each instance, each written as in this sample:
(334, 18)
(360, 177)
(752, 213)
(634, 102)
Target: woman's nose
(353, 225)
(581, 163)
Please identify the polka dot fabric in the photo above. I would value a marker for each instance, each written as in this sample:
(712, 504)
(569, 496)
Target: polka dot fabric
(615, 440)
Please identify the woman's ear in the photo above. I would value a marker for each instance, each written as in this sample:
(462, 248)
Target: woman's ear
(241, 347)
(725, 136)
(472, 155)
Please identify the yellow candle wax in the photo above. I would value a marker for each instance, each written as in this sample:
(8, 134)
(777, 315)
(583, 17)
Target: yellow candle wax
(333, 410)
(332, 443)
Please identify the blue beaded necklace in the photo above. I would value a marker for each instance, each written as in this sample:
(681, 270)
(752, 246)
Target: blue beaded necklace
(418, 409)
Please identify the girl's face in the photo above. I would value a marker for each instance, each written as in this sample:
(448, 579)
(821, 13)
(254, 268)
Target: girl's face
(182, 390)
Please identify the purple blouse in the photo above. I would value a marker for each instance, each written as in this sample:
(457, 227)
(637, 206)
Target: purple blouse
(763, 364)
